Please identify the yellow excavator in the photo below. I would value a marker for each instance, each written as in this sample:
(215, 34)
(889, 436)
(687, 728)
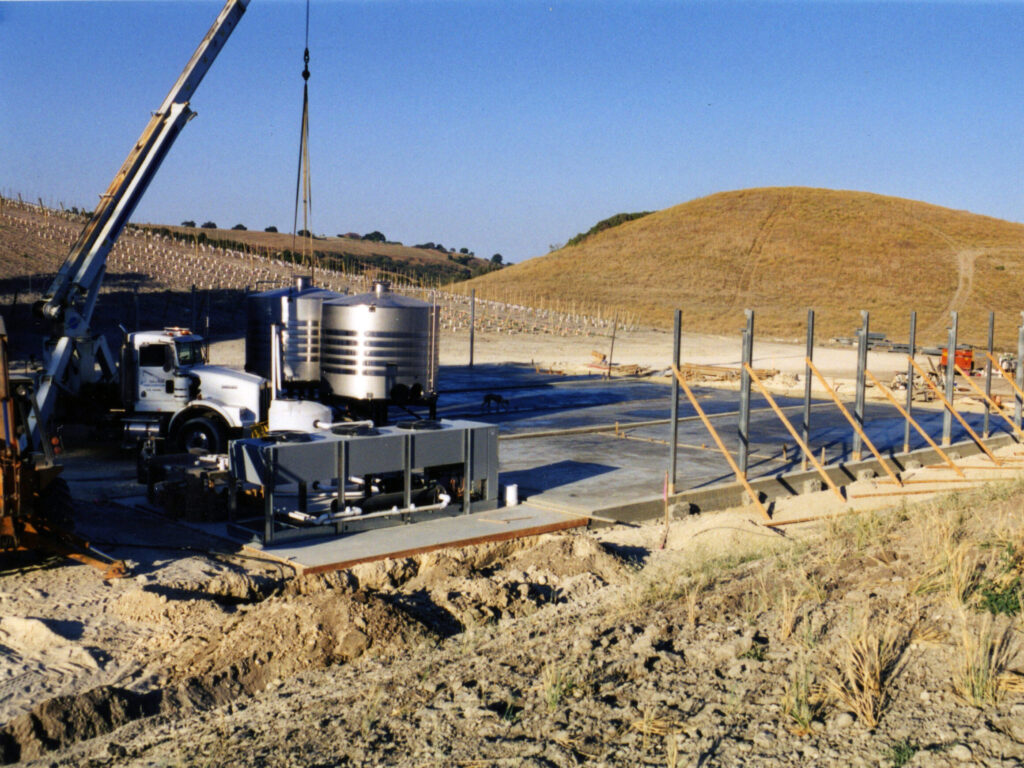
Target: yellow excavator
(35, 503)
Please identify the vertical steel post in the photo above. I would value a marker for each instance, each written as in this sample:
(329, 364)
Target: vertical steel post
(1020, 371)
(947, 417)
(862, 364)
(744, 423)
(911, 350)
(988, 371)
(807, 385)
(472, 323)
(674, 445)
(270, 464)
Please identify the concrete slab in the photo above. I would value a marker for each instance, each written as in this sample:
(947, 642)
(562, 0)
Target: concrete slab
(582, 448)
(584, 463)
(317, 555)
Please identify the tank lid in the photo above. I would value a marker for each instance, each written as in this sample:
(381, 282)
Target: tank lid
(380, 297)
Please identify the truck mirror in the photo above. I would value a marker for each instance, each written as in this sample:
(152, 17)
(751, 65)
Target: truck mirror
(169, 386)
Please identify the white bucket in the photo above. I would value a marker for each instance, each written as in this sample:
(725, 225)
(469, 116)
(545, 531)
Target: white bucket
(511, 495)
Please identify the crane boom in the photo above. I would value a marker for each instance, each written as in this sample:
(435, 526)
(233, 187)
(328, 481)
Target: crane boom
(75, 353)
(71, 297)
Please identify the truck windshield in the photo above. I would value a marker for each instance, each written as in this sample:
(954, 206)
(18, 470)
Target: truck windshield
(189, 352)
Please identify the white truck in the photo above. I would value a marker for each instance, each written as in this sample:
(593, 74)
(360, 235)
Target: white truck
(166, 387)
(168, 390)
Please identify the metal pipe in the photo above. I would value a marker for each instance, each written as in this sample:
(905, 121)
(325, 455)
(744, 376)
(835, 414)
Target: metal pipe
(947, 417)
(275, 362)
(317, 424)
(637, 424)
(862, 364)
(674, 419)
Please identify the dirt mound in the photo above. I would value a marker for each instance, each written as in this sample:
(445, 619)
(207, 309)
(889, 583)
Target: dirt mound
(33, 640)
(286, 634)
(779, 251)
(64, 720)
(565, 556)
(225, 653)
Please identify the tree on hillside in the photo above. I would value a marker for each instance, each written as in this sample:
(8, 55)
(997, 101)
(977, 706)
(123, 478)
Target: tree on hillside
(375, 237)
(209, 225)
(188, 223)
(271, 228)
(239, 227)
(496, 259)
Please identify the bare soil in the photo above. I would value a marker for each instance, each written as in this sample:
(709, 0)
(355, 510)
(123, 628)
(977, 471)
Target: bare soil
(888, 637)
(715, 642)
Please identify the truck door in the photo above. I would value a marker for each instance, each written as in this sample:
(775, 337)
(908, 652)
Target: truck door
(158, 388)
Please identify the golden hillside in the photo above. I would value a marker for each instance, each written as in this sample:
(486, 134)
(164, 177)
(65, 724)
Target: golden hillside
(781, 251)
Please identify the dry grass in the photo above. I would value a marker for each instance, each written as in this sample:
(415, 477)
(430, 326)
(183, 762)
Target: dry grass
(779, 251)
(985, 655)
(802, 702)
(556, 684)
(864, 667)
(957, 574)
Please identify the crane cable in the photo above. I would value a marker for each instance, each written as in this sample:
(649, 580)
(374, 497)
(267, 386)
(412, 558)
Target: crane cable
(302, 181)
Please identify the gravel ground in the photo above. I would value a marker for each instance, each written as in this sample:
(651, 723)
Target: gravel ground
(845, 643)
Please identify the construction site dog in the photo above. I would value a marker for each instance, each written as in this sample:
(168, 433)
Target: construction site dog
(497, 402)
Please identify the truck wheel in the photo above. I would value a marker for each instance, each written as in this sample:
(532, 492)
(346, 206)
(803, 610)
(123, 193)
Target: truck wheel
(201, 435)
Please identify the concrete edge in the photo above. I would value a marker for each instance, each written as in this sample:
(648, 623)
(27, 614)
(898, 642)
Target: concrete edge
(728, 495)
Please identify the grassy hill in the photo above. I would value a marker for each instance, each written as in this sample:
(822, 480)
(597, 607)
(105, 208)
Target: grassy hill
(781, 251)
(421, 264)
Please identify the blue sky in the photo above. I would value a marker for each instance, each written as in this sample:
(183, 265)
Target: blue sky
(511, 126)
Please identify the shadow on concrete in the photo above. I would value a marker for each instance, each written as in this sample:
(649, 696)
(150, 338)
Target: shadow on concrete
(548, 476)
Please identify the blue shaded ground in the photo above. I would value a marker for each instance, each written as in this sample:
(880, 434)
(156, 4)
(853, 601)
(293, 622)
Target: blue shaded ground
(598, 469)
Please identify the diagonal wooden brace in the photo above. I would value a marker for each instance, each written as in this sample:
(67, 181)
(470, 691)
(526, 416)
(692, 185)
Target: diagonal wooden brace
(956, 415)
(992, 403)
(928, 438)
(792, 431)
(721, 446)
(853, 422)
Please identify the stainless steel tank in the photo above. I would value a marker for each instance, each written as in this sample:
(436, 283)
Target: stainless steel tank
(296, 310)
(379, 346)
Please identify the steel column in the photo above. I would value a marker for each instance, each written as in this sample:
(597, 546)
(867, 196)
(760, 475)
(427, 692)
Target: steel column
(807, 385)
(744, 422)
(472, 322)
(674, 445)
(1020, 371)
(988, 372)
(912, 350)
(947, 417)
(862, 364)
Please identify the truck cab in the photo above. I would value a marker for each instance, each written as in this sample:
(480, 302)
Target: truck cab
(168, 390)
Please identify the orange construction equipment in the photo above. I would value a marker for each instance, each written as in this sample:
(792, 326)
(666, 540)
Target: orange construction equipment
(963, 359)
(35, 504)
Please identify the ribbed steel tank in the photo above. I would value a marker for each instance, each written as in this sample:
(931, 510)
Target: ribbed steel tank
(296, 310)
(379, 346)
